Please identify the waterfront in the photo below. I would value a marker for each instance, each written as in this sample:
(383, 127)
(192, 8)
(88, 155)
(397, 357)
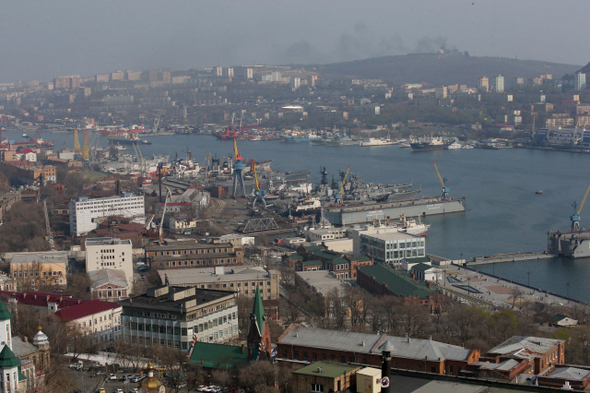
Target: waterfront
(503, 212)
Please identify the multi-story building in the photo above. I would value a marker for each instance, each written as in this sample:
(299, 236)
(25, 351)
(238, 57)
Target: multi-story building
(499, 84)
(243, 280)
(109, 285)
(192, 255)
(341, 265)
(29, 172)
(483, 84)
(305, 345)
(108, 253)
(86, 213)
(580, 81)
(39, 268)
(173, 317)
(392, 247)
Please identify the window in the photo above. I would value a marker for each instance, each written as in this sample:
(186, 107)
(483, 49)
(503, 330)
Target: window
(317, 388)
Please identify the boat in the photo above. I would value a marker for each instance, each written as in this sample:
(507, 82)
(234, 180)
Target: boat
(126, 139)
(411, 226)
(344, 141)
(118, 130)
(539, 192)
(454, 146)
(404, 145)
(145, 142)
(370, 142)
(429, 144)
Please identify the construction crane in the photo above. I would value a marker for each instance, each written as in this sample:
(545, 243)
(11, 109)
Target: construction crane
(86, 151)
(239, 167)
(445, 190)
(48, 226)
(258, 192)
(160, 230)
(338, 195)
(575, 218)
(77, 148)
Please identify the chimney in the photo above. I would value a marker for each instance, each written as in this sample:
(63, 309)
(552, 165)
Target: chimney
(249, 353)
(462, 345)
(425, 357)
(319, 370)
(26, 339)
(363, 343)
(242, 348)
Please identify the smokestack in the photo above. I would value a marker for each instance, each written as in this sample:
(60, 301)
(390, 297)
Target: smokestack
(385, 369)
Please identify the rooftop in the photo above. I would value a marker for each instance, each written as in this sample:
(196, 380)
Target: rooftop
(220, 355)
(328, 370)
(84, 310)
(187, 246)
(107, 276)
(40, 257)
(569, 373)
(106, 241)
(392, 236)
(525, 347)
(397, 284)
(187, 276)
(322, 280)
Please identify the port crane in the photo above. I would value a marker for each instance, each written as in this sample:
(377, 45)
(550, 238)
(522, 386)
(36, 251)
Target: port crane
(338, 195)
(258, 192)
(239, 168)
(445, 190)
(160, 230)
(575, 218)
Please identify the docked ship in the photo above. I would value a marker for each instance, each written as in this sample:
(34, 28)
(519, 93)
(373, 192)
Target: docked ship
(118, 130)
(454, 146)
(411, 226)
(127, 139)
(430, 144)
(344, 141)
(370, 142)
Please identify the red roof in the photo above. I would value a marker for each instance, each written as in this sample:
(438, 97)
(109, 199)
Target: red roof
(26, 151)
(83, 310)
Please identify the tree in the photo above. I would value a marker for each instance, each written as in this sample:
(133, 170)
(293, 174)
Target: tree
(259, 375)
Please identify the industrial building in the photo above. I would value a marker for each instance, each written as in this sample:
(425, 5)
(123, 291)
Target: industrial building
(39, 268)
(86, 213)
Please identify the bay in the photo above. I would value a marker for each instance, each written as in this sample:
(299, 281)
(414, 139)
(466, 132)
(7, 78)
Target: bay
(503, 213)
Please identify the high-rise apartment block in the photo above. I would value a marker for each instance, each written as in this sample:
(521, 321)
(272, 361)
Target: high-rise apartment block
(499, 84)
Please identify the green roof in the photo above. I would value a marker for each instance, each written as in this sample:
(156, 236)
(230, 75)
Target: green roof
(258, 311)
(397, 284)
(417, 260)
(312, 263)
(364, 258)
(421, 266)
(329, 370)
(336, 261)
(327, 254)
(4, 313)
(296, 256)
(220, 356)
(8, 359)
(314, 248)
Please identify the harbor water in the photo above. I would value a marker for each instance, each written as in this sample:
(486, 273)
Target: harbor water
(503, 212)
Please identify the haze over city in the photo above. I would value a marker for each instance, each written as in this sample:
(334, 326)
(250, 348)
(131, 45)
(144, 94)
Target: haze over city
(41, 40)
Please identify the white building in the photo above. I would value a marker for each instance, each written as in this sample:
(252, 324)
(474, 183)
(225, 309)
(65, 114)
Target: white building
(356, 231)
(109, 253)
(86, 213)
(580, 81)
(391, 248)
(322, 234)
(499, 84)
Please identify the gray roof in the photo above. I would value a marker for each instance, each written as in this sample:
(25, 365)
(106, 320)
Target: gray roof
(188, 276)
(506, 365)
(41, 257)
(106, 241)
(569, 373)
(403, 347)
(525, 347)
(323, 281)
(21, 348)
(107, 276)
(451, 387)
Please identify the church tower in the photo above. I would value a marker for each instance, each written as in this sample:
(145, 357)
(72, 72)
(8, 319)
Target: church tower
(41, 341)
(258, 331)
(9, 363)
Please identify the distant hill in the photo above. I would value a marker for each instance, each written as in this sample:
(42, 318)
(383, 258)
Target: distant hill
(444, 69)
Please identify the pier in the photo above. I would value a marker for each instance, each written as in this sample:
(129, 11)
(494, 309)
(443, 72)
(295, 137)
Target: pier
(512, 257)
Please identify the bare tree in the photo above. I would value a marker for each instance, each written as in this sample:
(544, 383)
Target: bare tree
(259, 375)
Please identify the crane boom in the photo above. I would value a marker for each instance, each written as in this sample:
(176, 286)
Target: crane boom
(48, 226)
(236, 153)
(256, 185)
(343, 180)
(583, 200)
(160, 231)
(442, 183)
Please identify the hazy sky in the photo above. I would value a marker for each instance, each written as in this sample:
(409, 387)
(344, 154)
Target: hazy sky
(42, 39)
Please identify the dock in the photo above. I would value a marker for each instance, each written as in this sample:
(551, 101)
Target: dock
(511, 257)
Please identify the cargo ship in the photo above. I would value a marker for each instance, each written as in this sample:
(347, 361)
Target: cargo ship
(430, 144)
(128, 139)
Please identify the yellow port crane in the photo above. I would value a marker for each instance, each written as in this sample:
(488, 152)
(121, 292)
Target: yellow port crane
(86, 151)
(575, 218)
(445, 190)
(77, 149)
(338, 195)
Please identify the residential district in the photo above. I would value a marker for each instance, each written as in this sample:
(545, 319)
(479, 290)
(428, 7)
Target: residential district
(122, 273)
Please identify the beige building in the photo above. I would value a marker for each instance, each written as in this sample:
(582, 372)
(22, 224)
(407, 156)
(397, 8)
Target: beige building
(242, 280)
(110, 253)
(39, 268)
(101, 321)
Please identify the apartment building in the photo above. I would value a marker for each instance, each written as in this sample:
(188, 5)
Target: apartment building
(39, 268)
(180, 256)
(171, 316)
(86, 213)
(110, 253)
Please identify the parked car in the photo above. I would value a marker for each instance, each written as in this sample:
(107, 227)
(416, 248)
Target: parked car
(118, 391)
(180, 385)
(134, 390)
(113, 376)
(136, 379)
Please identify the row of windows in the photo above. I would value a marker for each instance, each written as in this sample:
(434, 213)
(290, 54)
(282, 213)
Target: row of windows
(36, 274)
(197, 251)
(405, 244)
(206, 262)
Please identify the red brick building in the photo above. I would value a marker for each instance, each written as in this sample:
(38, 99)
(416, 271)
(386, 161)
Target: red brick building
(302, 344)
(192, 255)
(320, 258)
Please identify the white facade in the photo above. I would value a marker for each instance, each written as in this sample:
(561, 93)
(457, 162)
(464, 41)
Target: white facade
(322, 234)
(499, 84)
(109, 253)
(86, 213)
(391, 248)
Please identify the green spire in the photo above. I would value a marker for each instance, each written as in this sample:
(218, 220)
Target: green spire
(4, 313)
(258, 310)
(8, 359)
